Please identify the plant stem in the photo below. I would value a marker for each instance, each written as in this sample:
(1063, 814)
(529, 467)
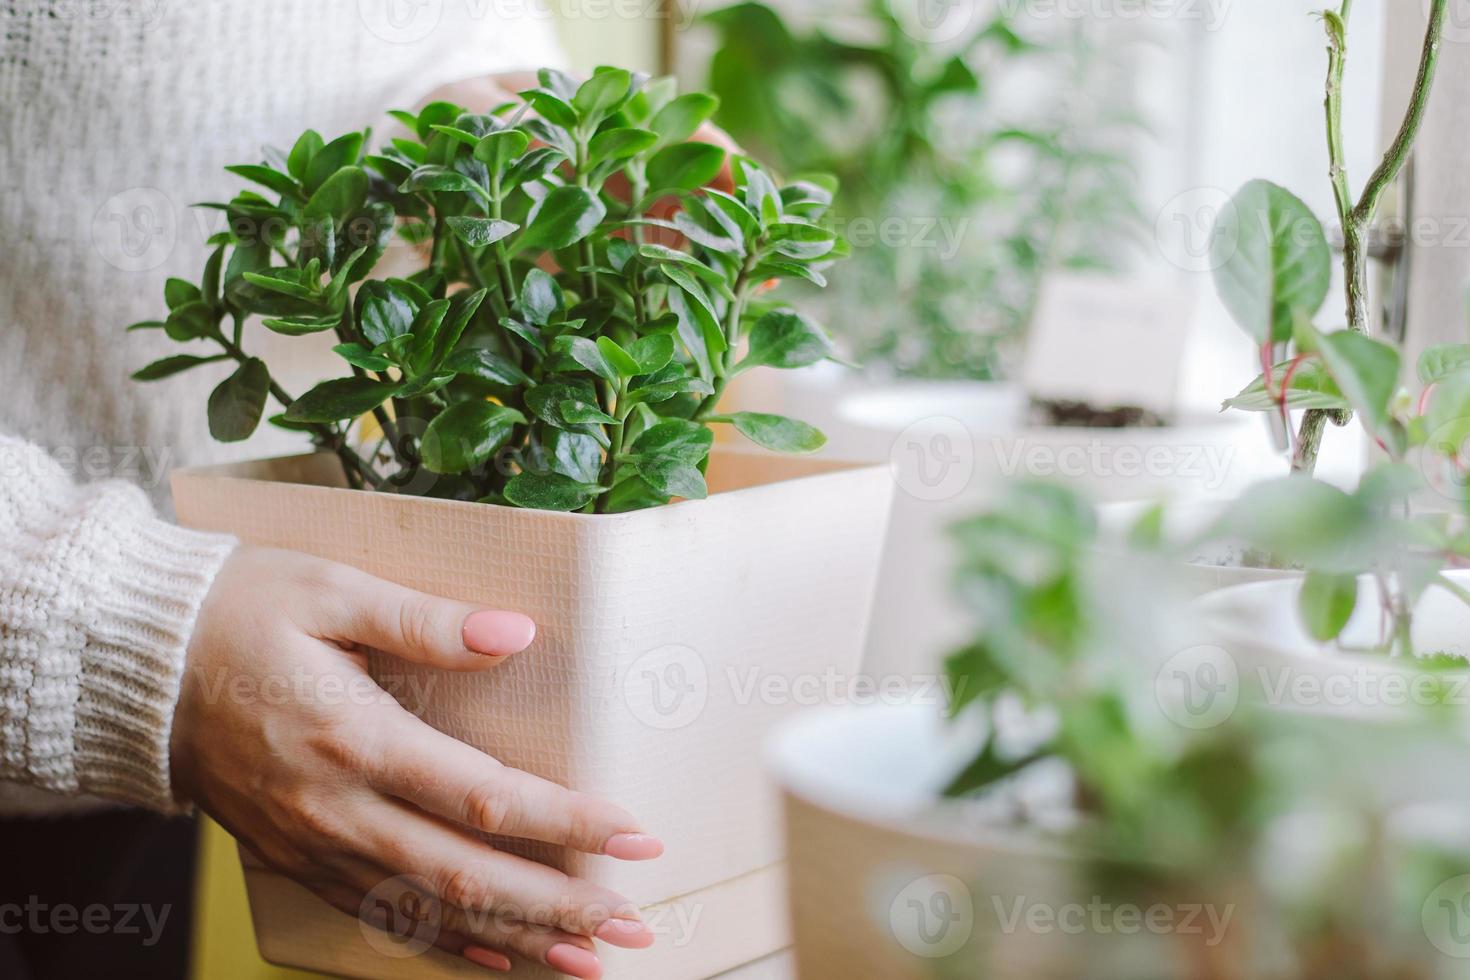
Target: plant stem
(354, 466)
(724, 365)
(615, 448)
(1358, 219)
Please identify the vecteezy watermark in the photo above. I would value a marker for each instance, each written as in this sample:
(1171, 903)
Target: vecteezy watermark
(146, 466)
(1212, 13)
(38, 918)
(1208, 466)
(1445, 917)
(670, 687)
(933, 459)
(1099, 916)
(299, 686)
(1198, 687)
(667, 687)
(399, 917)
(1457, 20)
(944, 235)
(135, 229)
(932, 916)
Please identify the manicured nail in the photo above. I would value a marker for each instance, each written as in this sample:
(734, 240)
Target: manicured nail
(497, 633)
(488, 958)
(574, 961)
(625, 933)
(633, 847)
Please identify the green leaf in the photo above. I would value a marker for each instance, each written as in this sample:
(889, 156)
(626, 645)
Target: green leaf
(462, 309)
(384, 311)
(672, 478)
(308, 145)
(145, 325)
(675, 439)
(431, 177)
(778, 433)
(658, 391)
(342, 398)
(498, 149)
(618, 144)
(359, 356)
(341, 152)
(684, 166)
(541, 297)
(587, 353)
(189, 322)
(584, 413)
(235, 407)
(601, 94)
(698, 329)
(300, 326)
(425, 383)
(1311, 386)
(651, 353)
(457, 134)
(169, 366)
(785, 339)
(617, 358)
(477, 232)
(1271, 258)
(466, 434)
(268, 177)
(566, 216)
(678, 120)
(1366, 370)
(1326, 603)
(1442, 360)
(177, 292)
(549, 491)
(477, 362)
(551, 107)
(573, 454)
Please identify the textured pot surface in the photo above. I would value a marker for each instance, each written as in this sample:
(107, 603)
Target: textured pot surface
(670, 641)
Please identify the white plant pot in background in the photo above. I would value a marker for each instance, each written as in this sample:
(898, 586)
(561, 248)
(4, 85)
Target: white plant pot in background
(1217, 565)
(890, 882)
(661, 635)
(1253, 643)
(952, 448)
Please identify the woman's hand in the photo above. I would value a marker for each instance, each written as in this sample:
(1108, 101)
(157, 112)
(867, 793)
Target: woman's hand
(281, 736)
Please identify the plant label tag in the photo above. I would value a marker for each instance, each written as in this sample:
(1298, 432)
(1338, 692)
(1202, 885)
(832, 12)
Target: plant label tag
(1108, 343)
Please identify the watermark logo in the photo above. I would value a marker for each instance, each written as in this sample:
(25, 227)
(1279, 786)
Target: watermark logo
(1185, 230)
(1099, 916)
(1199, 687)
(933, 916)
(937, 21)
(933, 459)
(668, 687)
(1457, 19)
(135, 230)
(1445, 917)
(400, 21)
(399, 918)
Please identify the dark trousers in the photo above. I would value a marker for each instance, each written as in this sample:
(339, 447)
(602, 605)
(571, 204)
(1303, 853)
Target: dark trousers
(103, 895)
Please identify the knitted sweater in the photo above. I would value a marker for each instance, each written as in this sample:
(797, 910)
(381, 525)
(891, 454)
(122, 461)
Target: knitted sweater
(114, 118)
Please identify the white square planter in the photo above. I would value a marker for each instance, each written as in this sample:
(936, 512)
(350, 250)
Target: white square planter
(670, 642)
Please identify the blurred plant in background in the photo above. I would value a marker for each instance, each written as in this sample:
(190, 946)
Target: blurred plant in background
(1098, 739)
(957, 209)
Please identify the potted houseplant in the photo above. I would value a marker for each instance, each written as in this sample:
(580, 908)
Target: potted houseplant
(531, 398)
(1273, 271)
(1087, 813)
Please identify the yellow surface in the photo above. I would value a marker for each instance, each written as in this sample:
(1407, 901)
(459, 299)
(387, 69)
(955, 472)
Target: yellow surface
(224, 943)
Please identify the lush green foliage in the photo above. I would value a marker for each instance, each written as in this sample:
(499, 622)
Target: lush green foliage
(566, 341)
(948, 255)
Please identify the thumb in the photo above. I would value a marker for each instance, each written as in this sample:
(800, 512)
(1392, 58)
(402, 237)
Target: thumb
(429, 630)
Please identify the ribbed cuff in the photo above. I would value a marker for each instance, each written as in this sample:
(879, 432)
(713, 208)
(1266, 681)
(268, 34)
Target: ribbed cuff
(134, 658)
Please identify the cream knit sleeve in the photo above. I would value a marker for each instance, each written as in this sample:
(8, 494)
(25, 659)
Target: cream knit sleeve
(98, 597)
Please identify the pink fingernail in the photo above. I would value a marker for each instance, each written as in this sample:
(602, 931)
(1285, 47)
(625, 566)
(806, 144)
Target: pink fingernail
(575, 961)
(497, 633)
(488, 958)
(626, 933)
(633, 847)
